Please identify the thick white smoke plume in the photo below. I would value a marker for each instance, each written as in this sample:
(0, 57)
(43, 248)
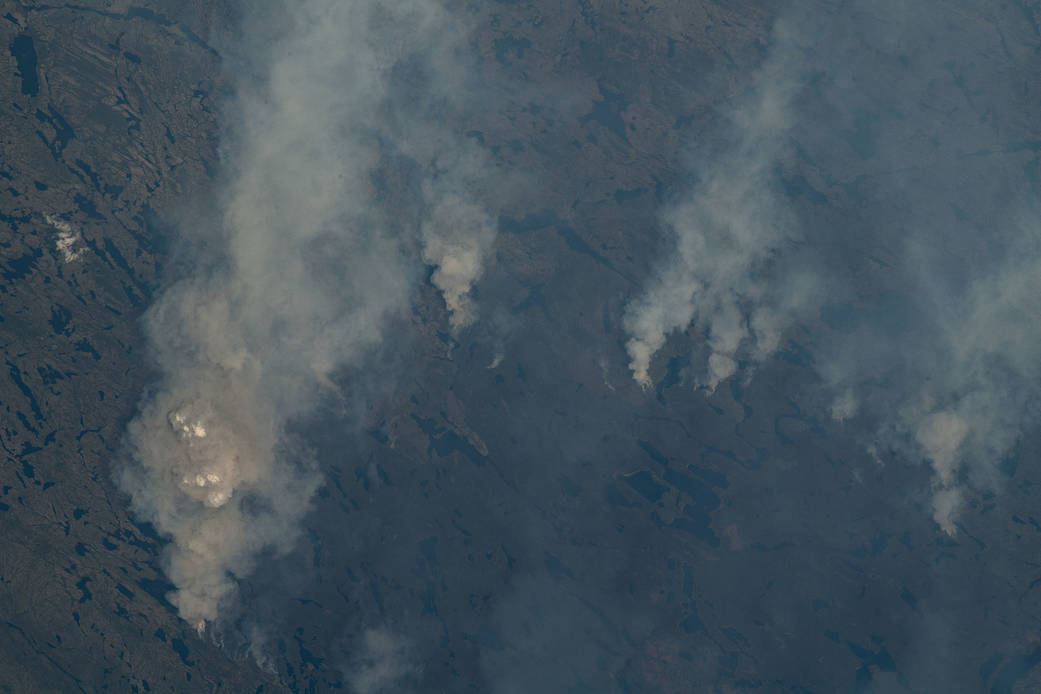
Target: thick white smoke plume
(299, 275)
(726, 234)
(890, 245)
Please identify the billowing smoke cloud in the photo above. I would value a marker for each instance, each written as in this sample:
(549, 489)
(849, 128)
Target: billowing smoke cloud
(885, 223)
(311, 257)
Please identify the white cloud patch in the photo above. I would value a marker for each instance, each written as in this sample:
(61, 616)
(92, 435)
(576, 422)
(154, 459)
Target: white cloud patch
(69, 243)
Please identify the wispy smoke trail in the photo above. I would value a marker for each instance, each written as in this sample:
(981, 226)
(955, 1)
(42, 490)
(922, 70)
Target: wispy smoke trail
(878, 221)
(298, 277)
(381, 664)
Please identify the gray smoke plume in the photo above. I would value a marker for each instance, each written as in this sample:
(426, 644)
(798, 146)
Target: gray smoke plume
(952, 374)
(885, 223)
(726, 235)
(456, 240)
(298, 277)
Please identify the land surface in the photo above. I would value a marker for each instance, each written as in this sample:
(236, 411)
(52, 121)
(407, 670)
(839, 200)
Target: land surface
(512, 506)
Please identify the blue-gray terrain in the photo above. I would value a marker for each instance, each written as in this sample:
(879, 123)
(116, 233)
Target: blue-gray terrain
(816, 223)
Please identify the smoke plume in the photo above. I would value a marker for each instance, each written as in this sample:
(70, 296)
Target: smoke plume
(726, 235)
(299, 276)
(457, 237)
(884, 224)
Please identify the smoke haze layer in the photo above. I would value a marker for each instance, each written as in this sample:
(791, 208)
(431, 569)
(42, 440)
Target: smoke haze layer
(870, 209)
(299, 274)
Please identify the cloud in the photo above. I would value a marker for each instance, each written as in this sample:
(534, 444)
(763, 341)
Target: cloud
(311, 257)
(885, 223)
(69, 240)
